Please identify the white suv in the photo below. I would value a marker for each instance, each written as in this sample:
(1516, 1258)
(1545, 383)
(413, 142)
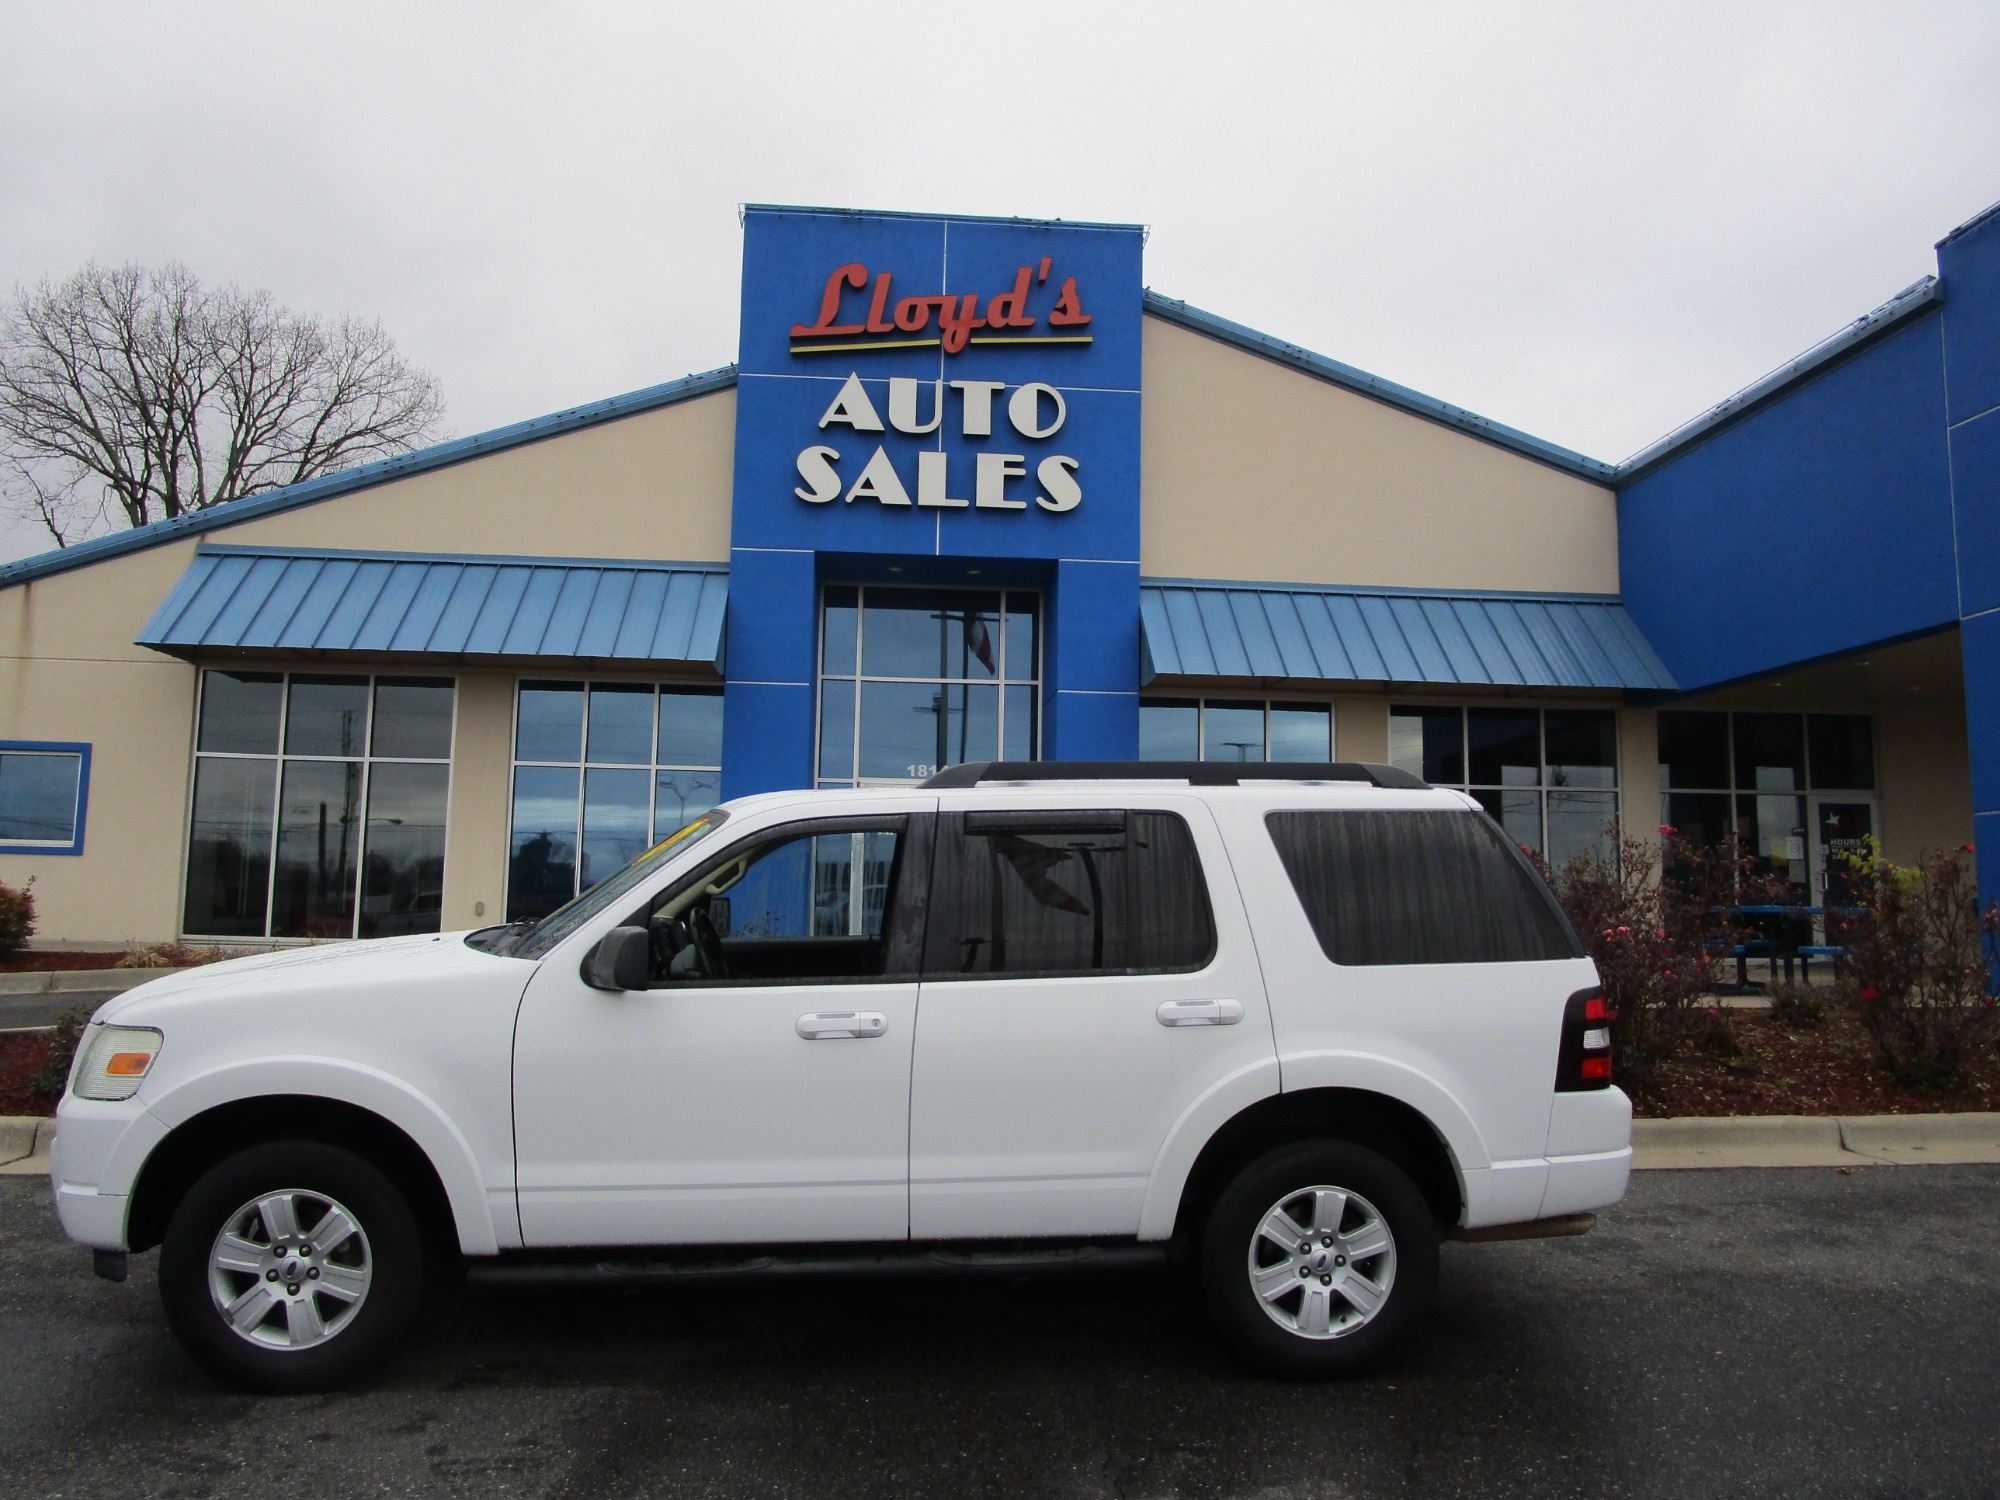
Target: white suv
(1291, 1023)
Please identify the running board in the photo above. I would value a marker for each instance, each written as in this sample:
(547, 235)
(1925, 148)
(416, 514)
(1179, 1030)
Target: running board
(529, 1273)
(1560, 1227)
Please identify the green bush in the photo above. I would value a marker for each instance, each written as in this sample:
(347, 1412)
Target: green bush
(1797, 1005)
(49, 1082)
(17, 917)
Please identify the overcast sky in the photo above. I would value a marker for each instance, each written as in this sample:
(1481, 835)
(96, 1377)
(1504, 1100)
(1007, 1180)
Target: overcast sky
(1589, 221)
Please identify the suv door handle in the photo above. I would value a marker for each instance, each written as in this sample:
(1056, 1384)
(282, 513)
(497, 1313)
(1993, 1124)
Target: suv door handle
(1199, 1012)
(831, 1025)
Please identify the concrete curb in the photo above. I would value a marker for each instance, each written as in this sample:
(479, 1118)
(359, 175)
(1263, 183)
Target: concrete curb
(1814, 1141)
(24, 1145)
(98, 981)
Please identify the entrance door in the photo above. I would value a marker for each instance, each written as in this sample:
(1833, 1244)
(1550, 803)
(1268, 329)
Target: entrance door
(1081, 991)
(1841, 828)
(759, 1089)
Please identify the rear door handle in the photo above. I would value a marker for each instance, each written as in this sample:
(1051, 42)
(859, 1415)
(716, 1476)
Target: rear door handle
(1199, 1012)
(832, 1025)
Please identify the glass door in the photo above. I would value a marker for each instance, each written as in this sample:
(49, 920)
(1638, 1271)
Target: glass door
(1842, 825)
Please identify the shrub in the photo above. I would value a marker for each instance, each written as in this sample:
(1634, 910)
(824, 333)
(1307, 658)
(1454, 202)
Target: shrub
(48, 1082)
(1797, 1005)
(173, 956)
(1659, 941)
(17, 917)
(1917, 953)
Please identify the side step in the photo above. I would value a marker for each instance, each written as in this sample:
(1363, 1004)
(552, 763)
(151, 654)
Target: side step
(530, 1272)
(1560, 1227)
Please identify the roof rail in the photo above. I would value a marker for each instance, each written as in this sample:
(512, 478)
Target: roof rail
(1193, 772)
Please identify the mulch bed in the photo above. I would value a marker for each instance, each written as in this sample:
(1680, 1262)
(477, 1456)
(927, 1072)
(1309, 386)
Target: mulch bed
(22, 1054)
(40, 963)
(1827, 1069)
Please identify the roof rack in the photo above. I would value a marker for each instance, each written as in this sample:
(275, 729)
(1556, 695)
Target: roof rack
(1193, 772)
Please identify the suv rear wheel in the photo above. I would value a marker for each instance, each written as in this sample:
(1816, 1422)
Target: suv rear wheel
(1317, 1257)
(291, 1266)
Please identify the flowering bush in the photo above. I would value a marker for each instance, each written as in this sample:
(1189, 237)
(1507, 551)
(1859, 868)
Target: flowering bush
(17, 917)
(1659, 941)
(1917, 954)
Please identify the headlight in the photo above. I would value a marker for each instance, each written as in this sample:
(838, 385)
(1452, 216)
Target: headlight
(115, 1062)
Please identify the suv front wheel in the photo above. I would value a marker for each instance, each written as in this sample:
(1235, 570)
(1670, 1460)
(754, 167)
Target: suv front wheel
(291, 1266)
(1317, 1257)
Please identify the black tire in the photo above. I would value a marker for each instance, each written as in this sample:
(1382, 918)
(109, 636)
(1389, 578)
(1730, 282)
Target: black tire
(389, 1244)
(1407, 1270)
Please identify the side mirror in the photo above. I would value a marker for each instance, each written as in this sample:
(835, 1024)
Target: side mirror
(621, 960)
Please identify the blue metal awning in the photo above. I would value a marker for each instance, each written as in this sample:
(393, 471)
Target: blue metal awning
(1200, 629)
(309, 599)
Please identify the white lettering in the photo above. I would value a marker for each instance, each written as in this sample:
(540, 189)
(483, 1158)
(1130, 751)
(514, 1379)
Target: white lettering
(931, 483)
(976, 405)
(816, 469)
(990, 476)
(879, 481)
(853, 407)
(1024, 410)
(903, 406)
(1057, 473)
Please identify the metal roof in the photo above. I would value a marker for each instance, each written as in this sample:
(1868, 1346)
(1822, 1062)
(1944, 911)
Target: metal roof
(1206, 629)
(345, 481)
(308, 599)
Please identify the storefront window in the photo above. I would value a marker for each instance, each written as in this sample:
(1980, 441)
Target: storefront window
(1234, 729)
(912, 680)
(602, 772)
(1549, 776)
(319, 805)
(1762, 776)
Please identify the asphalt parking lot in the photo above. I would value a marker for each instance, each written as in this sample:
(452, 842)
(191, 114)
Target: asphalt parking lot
(1779, 1332)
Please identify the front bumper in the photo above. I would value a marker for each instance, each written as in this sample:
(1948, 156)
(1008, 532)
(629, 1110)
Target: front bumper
(99, 1148)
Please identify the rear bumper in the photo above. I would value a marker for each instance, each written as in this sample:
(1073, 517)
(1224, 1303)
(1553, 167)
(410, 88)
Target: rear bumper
(1579, 1184)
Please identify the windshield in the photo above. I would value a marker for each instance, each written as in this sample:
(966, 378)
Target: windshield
(538, 938)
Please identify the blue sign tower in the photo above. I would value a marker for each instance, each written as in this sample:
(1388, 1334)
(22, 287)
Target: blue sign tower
(934, 400)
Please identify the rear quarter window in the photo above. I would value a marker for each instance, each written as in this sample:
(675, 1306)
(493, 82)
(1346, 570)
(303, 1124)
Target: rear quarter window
(1429, 887)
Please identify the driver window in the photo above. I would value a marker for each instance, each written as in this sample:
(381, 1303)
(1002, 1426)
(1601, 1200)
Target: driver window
(811, 907)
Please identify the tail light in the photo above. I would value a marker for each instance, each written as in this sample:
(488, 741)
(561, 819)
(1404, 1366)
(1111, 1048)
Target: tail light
(1585, 1059)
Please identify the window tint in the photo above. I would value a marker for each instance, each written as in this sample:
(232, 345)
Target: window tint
(1417, 888)
(38, 797)
(1053, 893)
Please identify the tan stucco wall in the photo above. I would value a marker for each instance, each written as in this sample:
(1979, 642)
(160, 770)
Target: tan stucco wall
(475, 854)
(1639, 776)
(1924, 772)
(656, 485)
(1260, 472)
(1361, 729)
(69, 671)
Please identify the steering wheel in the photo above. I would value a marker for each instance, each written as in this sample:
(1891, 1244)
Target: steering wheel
(669, 937)
(707, 944)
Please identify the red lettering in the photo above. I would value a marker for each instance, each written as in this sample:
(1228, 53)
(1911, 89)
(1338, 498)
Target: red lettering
(876, 322)
(852, 274)
(913, 314)
(1010, 309)
(958, 316)
(1043, 274)
(1068, 311)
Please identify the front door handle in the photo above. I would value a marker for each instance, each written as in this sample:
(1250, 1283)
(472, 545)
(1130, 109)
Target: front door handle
(1199, 1012)
(831, 1025)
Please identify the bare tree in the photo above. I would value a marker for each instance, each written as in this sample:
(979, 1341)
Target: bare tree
(143, 392)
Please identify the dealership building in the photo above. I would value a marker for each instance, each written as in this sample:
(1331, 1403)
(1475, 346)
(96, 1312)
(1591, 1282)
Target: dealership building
(971, 492)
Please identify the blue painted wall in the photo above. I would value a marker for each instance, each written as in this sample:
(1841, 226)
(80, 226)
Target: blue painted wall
(1861, 505)
(787, 541)
(1817, 524)
(1969, 263)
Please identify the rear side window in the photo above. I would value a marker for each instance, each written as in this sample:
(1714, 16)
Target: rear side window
(1418, 888)
(1035, 893)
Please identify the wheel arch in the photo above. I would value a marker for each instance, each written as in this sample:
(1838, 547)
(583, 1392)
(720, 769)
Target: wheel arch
(202, 1140)
(1380, 1122)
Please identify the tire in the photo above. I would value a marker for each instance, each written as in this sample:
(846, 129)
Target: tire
(307, 1316)
(1367, 1269)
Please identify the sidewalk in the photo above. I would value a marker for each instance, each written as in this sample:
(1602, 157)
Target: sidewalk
(60, 981)
(1814, 1140)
